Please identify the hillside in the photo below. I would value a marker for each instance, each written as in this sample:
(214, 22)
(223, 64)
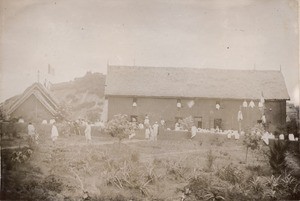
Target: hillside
(83, 96)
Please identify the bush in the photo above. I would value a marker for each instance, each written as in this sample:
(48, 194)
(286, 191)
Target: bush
(120, 127)
(210, 159)
(93, 115)
(187, 122)
(252, 140)
(231, 174)
(53, 183)
(205, 188)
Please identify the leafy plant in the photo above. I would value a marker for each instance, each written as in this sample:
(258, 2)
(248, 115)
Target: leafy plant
(251, 141)
(187, 122)
(277, 156)
(210, 159)
(231, 174)
(205, 188)
(292, 162)
(94, 114)
(120, 127)
(21, 156)
(63, 112)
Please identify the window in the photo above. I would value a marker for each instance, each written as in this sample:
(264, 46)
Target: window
(198, 122)
(218, 123)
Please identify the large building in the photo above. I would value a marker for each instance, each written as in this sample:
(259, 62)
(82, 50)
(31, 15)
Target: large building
(213, 97)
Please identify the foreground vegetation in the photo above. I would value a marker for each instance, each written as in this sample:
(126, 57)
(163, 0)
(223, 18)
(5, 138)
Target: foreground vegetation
(165, 170)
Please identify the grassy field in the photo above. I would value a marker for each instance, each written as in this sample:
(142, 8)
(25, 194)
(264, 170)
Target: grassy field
(134, 170)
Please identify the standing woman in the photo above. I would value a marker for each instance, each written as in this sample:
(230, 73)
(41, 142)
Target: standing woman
(87, 132)
(54, 133)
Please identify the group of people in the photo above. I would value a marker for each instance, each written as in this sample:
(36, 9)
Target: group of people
(33, 135)
(151, 131)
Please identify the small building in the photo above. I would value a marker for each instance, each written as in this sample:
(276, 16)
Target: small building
(213, 97)
(35, 104)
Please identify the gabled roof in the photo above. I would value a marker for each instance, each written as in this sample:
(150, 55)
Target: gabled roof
(194, 83)
(41, 93)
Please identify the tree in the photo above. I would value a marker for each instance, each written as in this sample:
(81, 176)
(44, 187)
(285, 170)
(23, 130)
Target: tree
(93, 115)
(253, 138)
(63, 112)
(187, 122)
(120, 127)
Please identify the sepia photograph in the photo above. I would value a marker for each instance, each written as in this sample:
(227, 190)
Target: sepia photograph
(139, 100)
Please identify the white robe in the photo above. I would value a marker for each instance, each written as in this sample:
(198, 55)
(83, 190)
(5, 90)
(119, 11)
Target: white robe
(155, 132)
(31, 130)
(87, 132)
(54, 133)
(194, 131)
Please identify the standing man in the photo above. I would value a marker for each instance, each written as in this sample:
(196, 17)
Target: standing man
(155, 131)
(31, 132)
(147, 127)
(88, 132)
(193, 131)
(54, 133)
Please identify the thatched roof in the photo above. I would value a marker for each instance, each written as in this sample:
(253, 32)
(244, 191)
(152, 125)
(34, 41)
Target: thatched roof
(194, 83)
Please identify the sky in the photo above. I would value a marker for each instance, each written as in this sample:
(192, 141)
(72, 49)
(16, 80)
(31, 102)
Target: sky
(76, 36)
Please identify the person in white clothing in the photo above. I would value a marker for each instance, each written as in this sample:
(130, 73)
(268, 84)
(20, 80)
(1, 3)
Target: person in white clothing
(31, 132)
(155, 131)
(88, 132)
(194, 131)
(31, 129)
(54, 133)
(147, 127)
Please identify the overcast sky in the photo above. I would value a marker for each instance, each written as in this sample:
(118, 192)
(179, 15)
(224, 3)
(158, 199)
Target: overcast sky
(75, 36)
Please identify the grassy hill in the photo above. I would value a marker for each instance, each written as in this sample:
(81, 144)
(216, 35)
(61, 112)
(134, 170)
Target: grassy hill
(84, 96)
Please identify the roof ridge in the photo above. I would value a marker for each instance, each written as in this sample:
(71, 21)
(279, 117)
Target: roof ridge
(200, 68)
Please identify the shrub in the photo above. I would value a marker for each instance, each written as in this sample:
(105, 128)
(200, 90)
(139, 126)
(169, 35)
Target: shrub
(21, 156)
(93, 115)
(288, 187)
(217, 141)
(205, 188)
(120, 127)
(53, 183)
(187, 122)
(292, 127)
(257, 188)
(292, 162)
(131, 176)
(63, 112)
(231, 174)
(210, 159)
(251, 141)
(277, 156)
(176, 169)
